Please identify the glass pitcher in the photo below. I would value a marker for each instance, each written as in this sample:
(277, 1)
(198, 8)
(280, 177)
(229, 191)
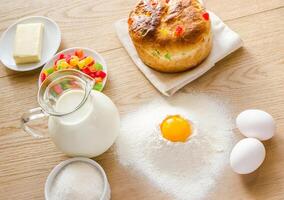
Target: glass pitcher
(81, 121)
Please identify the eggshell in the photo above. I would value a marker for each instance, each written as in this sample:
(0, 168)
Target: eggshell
(247, 155)
(256, 123)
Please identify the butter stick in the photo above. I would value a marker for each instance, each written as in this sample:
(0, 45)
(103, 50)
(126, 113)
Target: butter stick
(28, 43)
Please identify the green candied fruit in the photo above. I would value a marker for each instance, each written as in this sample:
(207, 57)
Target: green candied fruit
(60, 67)
(168, 56)
(49, 70)
(98, 86)
(65, 85)
(53, 93)
(98, 66)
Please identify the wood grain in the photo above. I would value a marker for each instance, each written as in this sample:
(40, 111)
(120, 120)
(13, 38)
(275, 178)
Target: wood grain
(252, 77)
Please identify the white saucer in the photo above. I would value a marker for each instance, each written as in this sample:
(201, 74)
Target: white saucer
(51, 42)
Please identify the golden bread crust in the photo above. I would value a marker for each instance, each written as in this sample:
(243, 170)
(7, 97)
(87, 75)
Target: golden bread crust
(170, 35)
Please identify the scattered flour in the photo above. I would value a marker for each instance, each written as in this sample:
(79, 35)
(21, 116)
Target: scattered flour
(188, 170)
(77, 181)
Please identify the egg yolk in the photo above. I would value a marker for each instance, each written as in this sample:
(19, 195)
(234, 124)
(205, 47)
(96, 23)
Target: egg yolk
(175, 128)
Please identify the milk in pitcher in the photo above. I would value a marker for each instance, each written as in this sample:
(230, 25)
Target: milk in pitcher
(90, 129)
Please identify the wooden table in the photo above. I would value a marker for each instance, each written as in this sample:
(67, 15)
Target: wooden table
(252, 77)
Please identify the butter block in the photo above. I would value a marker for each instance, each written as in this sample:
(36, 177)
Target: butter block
(28, 43)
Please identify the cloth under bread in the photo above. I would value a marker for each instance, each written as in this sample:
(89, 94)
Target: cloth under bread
(225, 41)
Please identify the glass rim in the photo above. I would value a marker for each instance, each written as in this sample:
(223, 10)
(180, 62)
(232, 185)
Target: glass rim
(89, 83)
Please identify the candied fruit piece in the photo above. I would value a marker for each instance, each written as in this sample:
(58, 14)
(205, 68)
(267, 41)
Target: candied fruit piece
(98, 86)
(88, 60)
(61, 56)
(79, 53)
(92, 68)
(130, 21)
(49, 70)
(98, 66)
(179, 30)
(168, 56)
(43, 76)
(57, 89)
(164, 32)
(98, 79)
(81, 64)
(68, 58)
(206, 16)
(74, 61)
(101, 74)
(86, 70)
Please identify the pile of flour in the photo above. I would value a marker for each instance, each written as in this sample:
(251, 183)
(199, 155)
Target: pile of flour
(184, 170)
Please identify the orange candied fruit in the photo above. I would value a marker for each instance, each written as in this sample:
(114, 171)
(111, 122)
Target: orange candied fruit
(130, 21)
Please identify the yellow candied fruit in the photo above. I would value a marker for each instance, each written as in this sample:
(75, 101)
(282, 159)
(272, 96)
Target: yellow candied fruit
(88, 60)
(64, 64)
(74, 61)
(164, 32)
(58, 63)
(45, 72)
(81, 64)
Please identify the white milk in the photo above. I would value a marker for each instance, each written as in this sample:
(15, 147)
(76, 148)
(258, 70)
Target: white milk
(90, 130)
(68, 102)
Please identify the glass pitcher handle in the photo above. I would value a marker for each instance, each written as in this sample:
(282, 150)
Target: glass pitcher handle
(31, 115)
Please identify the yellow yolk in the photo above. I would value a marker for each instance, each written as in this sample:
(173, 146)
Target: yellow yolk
(175, 128)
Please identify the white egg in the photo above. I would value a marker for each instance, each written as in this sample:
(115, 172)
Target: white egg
(247, 155)
(256, 123)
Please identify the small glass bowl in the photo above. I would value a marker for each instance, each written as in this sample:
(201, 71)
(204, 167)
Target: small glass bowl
(50, 179)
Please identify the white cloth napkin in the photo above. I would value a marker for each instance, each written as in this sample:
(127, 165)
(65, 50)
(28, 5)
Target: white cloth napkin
(225, 41)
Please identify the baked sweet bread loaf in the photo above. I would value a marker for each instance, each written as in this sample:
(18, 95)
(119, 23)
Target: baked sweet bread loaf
(170, 35)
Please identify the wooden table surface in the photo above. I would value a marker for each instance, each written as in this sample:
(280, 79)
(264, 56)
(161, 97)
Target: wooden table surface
(252, 77)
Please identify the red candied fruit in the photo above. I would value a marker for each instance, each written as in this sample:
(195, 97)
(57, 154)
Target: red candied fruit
(57, 89)
(179, 30)
(86, 70)
(100, 74)
(61, 56)
(206, 16)
(74, 84)
(92, 74)
(68, 58)
(42, 77)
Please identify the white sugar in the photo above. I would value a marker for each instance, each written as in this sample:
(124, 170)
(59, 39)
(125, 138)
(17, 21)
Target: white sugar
(184, 170)
(77, 181)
